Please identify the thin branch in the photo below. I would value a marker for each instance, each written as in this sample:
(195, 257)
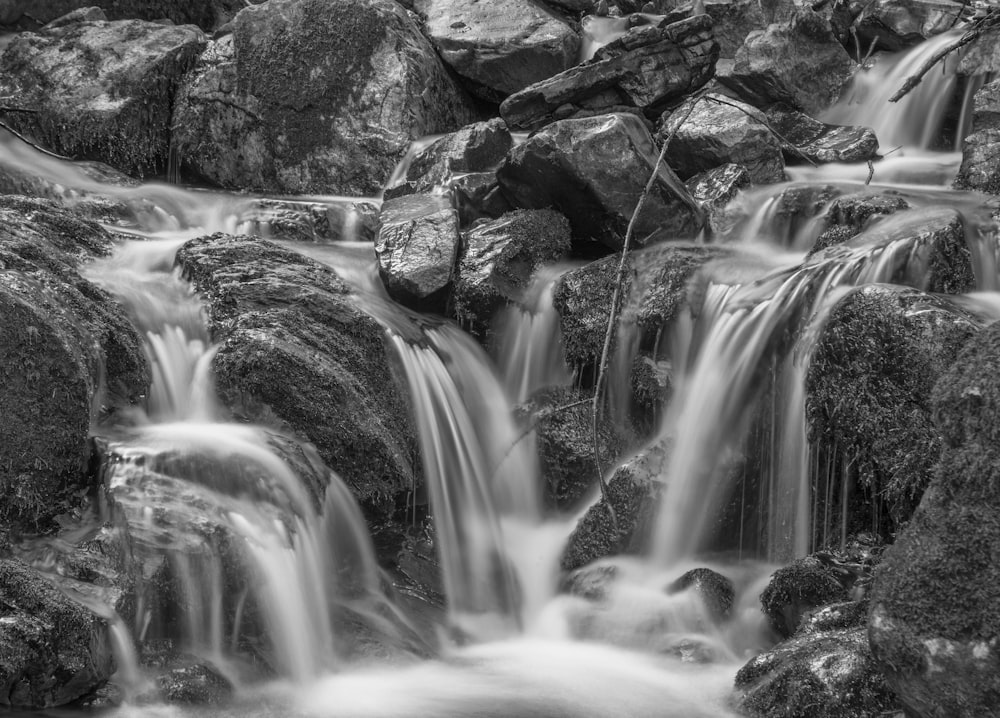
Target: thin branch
(767, 124)
(871, 172)
(533, 425)
(8, 108)
(24, 139)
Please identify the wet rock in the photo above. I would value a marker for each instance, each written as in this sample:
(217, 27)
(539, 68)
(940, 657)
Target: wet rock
(825, 674)
(714, 189)
(633, 493)
(304, 221)
(478, 196)
(718, 131)
(715, 590)
(980, 168)
(499, 258)
(869, 392)
(806, 139)
(83, 14)
(100, 90)
(900, 24)
(646, 68)
(860, 210)
(476, 148)
(651, 383)
(67, 348)
(249, 117)
(194, 684)
(417, 248)
(207, 14)
(797, 589)
(592, 582)
(934, 626)
(593, 171)
(982, 54)
(296, 352)
(733, 20)
(799, 62)
(52, 650)
(502, 46)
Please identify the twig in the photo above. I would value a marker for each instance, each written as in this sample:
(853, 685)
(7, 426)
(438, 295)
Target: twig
(533, 424)
(958, 15)
(984, 23)
(8, 108)
(871, 172)
(24, 139)
(871, 50)
(767, 123)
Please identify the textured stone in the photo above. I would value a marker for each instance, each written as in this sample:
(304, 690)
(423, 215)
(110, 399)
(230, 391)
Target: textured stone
(980, 168)
(476, 148)
(806, 139)
(714, 189)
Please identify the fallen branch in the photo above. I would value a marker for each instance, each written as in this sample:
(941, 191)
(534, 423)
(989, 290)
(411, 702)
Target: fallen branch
(533, 424)
(38, 147)
(871, 172)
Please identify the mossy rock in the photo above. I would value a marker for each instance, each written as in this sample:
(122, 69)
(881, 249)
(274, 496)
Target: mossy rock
(796, 590)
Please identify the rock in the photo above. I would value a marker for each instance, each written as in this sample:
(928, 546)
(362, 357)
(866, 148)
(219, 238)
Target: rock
(733, 20)
(869, 388)
(980, 168)
(900, 24)
(715, 590)
(982, 55)
(827, 674)
(194, 684)
(417, 248)
(860, 210)
(52, 650)
(646, 68)
(593, 171)
(933, 626)
(249, 117)
(502, 46)
(92, 99)
(797, 589)
(799, 62)
(633, 492)
(499, 259)
(67, 348)
(592, 582)
(83, 14)
(296, 352)
(480, 147)
(720, 130)
(714, 189)
(565, 441)
(805, 139)
(207, 14)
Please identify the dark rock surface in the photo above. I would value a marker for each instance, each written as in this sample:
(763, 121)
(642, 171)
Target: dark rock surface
(100, 90)
(194, 684)
(980, 168)
(479, 147)
(593, 171)
(715, 590)
(645, 68)
(207, 14)
(797, 589)
(250, 116)
(806, 139)
(899, 24)
(500, 46)
(733, 20)
(714, 189)
(296, 352)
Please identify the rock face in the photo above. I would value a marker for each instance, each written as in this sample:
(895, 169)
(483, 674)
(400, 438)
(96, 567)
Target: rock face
(250, 117)
(733, 20)
(52, 650)
(297, 353)
(980, 168)
(480, 147)
(719, 130)
(92, 99)
(502, 46)
(934, 627)
(714, 189)
(800, 63)
(646, 68)
(499, 259)
(417, 248)
(797, 589)
(61, 336)
(804, 138)
(207, 14)
(899, 24)
(593, 170)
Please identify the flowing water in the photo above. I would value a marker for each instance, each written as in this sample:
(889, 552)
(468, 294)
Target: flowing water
(270, 564)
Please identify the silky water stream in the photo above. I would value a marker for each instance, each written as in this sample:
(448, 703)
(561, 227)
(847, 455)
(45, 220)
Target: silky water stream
(271, 557)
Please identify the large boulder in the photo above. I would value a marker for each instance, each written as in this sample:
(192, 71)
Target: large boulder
(52, 649)
(295, 351)
(797, 589)
(715, 189)
(251, 117)
(645, 68)
(934, 627)
(502, 46)
(594, 170)
(100, 90)
(68, 351)
(805, 139)
(799, 62)
(980, 168)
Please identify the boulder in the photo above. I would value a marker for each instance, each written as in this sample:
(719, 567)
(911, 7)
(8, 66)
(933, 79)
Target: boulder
(594, 170)
(499, 47)
(207, 14)
(982, 54)
(797, 589)
(716, 591)
(713, 130)
(805, 139)
(733, 20)
(249, 117)
(645, 68)
(52, 649)
(900, 24)
(68, 352)
(416, 249)
(499, 259)
(193, 684)
(980, 168)
(480, 147)
(100, 90)
(934, 628)
(799, 62)
(714, 189)
(296, 352)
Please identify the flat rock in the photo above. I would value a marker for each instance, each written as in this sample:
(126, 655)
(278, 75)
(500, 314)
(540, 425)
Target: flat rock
(645, 68)
(100, 90)
(804, 139)
(250, 117)
(501, 46)
(980, 168)
(593, 170)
